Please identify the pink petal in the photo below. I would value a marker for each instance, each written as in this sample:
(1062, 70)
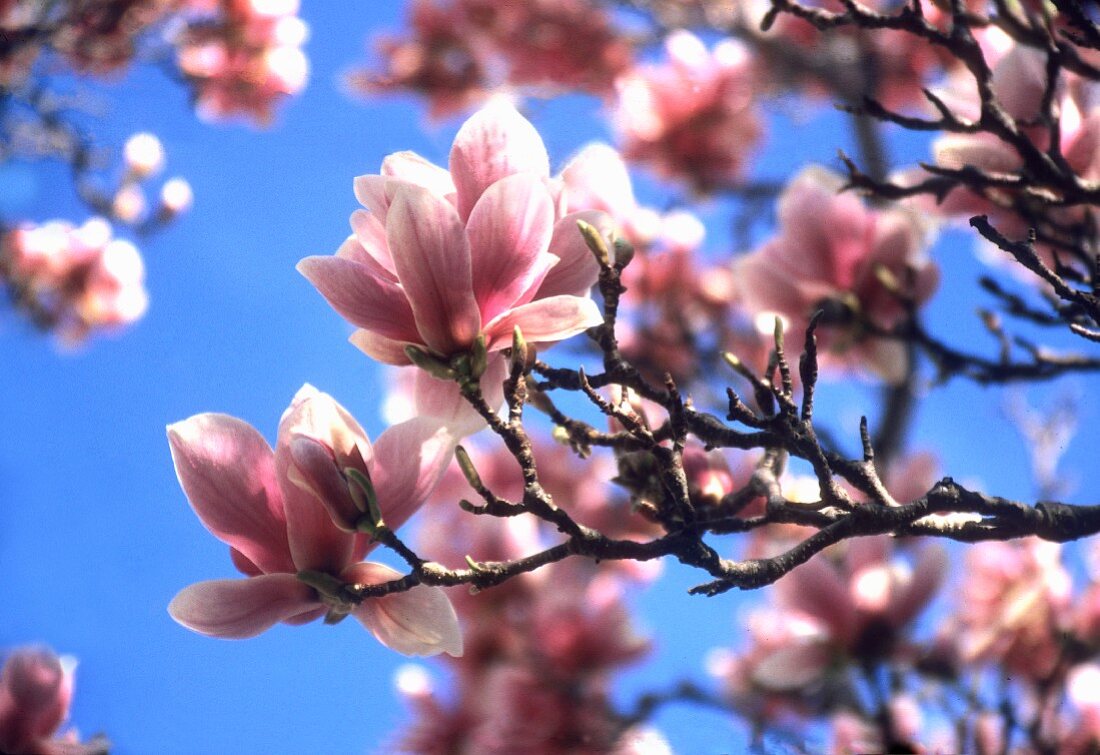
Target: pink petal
(544, 321)
(597, 179)
(365, 300)
(792, 667)
(409, 460)
(420, 622)
(816, 589)
(240, 608)
(442, 399)
(370, 232)
(35, 691)
(371, 192)
(315, 470)
(315, 542)
(380, 348)
(494, 143)
(412, 168)
(929, 570)
(432, 258)
(227, 470)
(578, 270)
(509, 231)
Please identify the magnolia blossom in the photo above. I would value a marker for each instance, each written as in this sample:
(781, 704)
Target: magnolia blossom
(73, 280)
(36, 687)
(1018, 83)
(244, 56)
(294, 521)
(457, 52)
(834, 253)
(1014, 606)
(693, 117)
(855, 609)
(445, 257)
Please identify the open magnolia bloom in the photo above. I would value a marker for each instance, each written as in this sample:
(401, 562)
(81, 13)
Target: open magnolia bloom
(294, 520)
(444, 256)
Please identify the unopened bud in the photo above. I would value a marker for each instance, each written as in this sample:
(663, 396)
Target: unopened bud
(624, 252)
(468, 469)
(143, 154)
(176, 197)
(519, 349)
(596, 243)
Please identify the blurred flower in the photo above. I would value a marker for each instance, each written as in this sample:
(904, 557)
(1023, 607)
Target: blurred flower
(694, 117)
(832, 252)
(36, 687)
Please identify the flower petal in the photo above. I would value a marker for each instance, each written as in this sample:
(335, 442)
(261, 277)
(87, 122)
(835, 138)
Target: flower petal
(380, 348)
(494, 143)
(227, 470)
(412, 168)
(409, 460)
(509, 231)
(365, 300)
(315, 541)
(432, 258)
(421, 621)
(578, 270)
(239, 608)
(544, 320)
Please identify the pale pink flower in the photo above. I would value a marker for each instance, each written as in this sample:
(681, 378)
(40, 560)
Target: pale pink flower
(285, 515)
(830, 252)
(444, 257)
(36, 687)
(855, 609)
(73, 280)
(243, 56)
(1014, 606)
(1019, 84)
(694, 117)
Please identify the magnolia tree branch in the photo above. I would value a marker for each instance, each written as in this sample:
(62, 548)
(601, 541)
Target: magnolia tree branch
(783, 428)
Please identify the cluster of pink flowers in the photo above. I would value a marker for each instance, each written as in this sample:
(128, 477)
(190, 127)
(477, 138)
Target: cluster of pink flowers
(891, 66)
(243, 57)
(95, 37)
(459, 51)
(73, 280)
(858, 264)
(36, 687)
(445, 257)
(540, 649)
(1019, 82)
(693, 117)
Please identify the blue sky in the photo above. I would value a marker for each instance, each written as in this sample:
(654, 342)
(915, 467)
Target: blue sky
(95, 535)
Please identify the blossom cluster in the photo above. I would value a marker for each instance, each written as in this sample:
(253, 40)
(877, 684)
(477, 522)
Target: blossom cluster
(459, 52)
(242, 57)
(73, 280)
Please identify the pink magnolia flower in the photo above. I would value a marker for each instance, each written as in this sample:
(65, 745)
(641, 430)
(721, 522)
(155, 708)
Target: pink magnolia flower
(856, 609)
(289, 517)
(830, 252)
(444, 257)
(36, 688)
(243, 56)
(693, 117)
(1019, 84)
(73, 280)
(1014, 606)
